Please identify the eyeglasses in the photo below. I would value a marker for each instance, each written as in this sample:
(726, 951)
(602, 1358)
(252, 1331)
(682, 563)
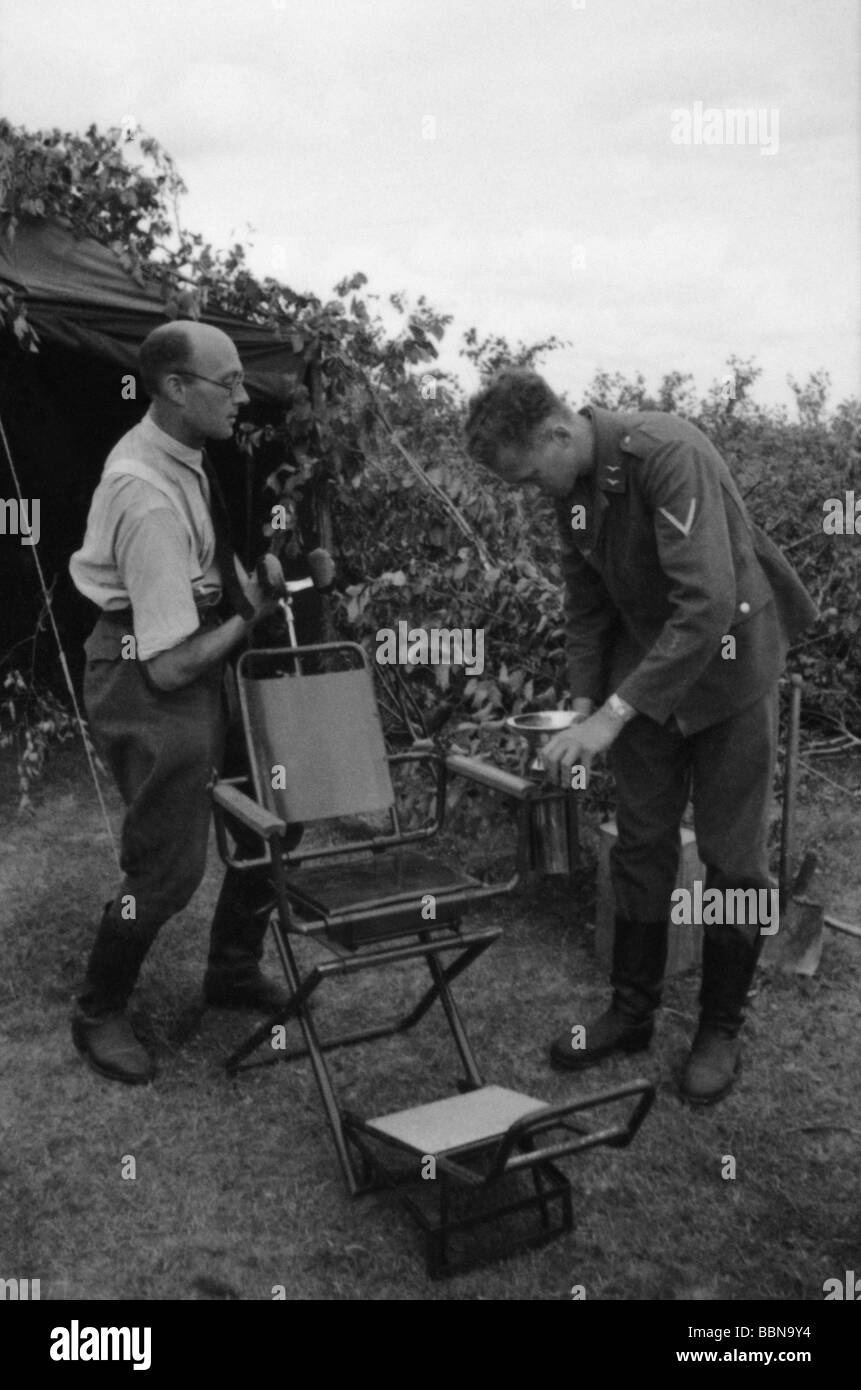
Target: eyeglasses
(231, 385)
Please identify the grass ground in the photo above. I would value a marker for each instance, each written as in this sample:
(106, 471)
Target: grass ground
(236, 1187)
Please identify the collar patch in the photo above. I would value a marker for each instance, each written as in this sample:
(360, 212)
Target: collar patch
(612, 478)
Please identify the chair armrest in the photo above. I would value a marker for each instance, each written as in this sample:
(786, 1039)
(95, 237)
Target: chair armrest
(617, 1136)
(250, 813)
(522, 1133)
(422, 751)
(477, 770)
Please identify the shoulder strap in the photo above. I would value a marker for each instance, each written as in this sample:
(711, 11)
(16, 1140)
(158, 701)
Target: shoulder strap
(134, 468)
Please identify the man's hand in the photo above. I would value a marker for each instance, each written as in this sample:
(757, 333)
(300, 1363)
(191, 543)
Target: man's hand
(576, 747)
(270, 575)
(263, 601)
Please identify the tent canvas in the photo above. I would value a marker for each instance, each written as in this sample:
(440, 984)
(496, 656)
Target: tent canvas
(78, 296)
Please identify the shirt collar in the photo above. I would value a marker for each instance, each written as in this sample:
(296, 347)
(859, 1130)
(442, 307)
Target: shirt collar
(192, 458)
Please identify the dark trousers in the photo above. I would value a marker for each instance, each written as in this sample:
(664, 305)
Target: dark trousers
(727, 770)
(162, 748)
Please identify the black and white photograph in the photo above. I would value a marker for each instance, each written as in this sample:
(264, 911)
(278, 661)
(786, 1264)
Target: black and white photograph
(430, 678)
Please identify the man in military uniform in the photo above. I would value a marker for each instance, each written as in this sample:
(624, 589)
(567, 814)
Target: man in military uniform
(175, 603)
(679, 615)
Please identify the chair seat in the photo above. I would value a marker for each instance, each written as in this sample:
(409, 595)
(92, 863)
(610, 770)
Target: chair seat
(337, 889)
(456, 1122)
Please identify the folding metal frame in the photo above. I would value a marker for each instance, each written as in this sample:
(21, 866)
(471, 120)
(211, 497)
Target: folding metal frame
(475, 1157)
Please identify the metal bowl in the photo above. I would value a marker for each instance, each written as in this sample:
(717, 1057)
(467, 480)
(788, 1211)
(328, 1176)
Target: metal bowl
(536, 729)
(548, 721)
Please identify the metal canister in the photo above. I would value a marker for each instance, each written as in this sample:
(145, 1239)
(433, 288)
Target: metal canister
(555, 842)
(554, 831)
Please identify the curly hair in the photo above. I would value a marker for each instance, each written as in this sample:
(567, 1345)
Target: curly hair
(166, 349)
(506, 412)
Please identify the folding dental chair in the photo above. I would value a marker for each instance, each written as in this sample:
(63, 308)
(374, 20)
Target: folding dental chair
(317, 755)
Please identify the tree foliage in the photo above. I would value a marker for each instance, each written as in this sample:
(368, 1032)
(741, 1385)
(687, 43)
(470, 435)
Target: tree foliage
(375, 428)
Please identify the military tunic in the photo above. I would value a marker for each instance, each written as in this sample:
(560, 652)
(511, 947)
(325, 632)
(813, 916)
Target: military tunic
(678, 603)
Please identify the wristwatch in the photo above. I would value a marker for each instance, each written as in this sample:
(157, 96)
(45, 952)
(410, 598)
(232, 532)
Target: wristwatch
(618, 709)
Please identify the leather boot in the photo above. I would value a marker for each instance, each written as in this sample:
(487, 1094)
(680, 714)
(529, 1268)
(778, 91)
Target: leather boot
(100, 1030)
(639, 959)
(729, 963)
(233, 978)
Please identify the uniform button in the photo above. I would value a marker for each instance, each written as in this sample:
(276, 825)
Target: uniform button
(744, 607)
(627, 439)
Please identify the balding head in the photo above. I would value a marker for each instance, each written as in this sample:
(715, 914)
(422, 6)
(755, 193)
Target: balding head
(174, 347)
(193, 375)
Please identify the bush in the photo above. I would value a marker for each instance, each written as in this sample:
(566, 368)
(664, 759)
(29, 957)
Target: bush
(404, 559)
(32, 718)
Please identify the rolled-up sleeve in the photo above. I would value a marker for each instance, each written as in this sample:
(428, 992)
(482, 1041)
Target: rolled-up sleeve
(152, 553)
(683, 489)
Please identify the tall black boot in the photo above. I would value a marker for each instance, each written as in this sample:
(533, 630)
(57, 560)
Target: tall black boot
(729, 963)
(117, 955)
(639, 960)
(234, 979)
(100, 1029)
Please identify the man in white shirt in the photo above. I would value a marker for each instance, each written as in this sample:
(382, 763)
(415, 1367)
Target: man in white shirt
(174, 605)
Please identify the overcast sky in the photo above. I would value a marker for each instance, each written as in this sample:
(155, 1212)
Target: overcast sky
(519, 162)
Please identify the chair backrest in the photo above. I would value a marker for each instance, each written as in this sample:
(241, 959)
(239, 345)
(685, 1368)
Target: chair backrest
(315, 739)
